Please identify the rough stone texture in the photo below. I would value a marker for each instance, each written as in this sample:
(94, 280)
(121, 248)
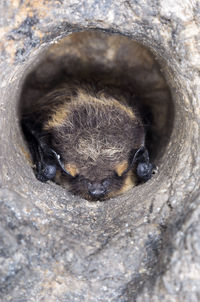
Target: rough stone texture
(180, 281)
(56, 247)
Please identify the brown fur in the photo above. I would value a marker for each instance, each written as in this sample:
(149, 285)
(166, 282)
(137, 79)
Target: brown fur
(93, 132)
(129, 181)
(58, 117)
(121, 167)
(72, 169)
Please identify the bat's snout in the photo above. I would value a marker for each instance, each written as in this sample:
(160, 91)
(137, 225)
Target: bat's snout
(97, 190)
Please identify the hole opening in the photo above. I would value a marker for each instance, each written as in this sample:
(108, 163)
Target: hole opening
(120, 62)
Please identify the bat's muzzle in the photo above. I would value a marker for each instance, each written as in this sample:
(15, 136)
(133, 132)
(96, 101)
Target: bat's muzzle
(98, 190)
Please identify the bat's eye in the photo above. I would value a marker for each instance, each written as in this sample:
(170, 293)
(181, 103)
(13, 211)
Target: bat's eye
(71, 169)
(121, 168)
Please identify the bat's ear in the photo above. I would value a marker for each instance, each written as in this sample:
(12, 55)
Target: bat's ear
(144, 167)
(59, 161)
(134, 157)
(138, 155)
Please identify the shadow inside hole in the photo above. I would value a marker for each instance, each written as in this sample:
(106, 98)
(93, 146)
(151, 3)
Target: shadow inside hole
(110, 60)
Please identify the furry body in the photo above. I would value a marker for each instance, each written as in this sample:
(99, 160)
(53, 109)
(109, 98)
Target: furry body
(95, 137)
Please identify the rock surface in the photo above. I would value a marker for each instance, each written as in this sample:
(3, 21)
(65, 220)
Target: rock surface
(142, 246)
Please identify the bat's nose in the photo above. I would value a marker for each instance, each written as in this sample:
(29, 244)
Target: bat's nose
(96, 190)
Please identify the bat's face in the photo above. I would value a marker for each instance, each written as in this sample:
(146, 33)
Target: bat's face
(101, 181)
(95, 139)
(95, 142)
(89, 142)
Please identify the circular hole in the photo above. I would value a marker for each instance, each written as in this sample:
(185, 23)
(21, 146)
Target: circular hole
(111, 60)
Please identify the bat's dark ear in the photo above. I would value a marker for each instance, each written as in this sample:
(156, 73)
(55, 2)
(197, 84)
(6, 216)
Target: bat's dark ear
(144, 167)
(41, 153)
(59, 162)
(45, 158)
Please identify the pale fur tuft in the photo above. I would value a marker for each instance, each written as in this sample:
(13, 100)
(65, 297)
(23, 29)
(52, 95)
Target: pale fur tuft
(92, 148)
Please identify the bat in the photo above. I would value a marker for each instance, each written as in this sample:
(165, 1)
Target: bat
(90, 141)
